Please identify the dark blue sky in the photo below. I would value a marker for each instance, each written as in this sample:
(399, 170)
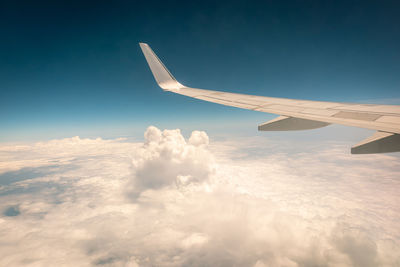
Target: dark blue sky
(75, 68)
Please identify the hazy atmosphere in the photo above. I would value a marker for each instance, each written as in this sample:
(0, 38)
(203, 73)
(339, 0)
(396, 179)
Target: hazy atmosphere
(99, 166)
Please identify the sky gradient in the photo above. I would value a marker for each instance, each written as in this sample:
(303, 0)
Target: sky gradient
(74, 68)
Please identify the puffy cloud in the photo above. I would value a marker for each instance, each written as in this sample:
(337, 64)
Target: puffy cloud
(198, 138)
(200, 204)
(167, 159)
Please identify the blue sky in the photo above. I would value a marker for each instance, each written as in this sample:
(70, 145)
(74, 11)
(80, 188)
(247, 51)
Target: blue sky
(74, 68)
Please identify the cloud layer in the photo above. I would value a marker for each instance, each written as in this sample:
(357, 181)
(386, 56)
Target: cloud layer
(174, 202)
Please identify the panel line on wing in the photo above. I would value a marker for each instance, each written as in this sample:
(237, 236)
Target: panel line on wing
(227, 100)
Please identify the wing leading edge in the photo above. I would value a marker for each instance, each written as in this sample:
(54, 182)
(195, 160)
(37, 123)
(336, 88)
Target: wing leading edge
(297, 114)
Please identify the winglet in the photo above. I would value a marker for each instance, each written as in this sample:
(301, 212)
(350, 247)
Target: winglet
(161, 74)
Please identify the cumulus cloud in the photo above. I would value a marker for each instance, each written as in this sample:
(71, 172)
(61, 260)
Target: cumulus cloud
(196, 204)
(167, 159)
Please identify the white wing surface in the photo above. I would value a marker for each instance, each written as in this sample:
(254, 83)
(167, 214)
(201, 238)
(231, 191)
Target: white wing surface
(297, 114)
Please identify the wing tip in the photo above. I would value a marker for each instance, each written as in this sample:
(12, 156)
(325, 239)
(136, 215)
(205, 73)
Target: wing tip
(160, 72)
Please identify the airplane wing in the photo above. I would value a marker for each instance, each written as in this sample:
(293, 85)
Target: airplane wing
(297, 114)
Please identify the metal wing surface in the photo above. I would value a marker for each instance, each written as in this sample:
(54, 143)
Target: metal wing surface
(297, 114)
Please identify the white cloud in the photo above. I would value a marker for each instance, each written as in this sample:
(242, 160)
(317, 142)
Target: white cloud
(223, 204)
(167, 159)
